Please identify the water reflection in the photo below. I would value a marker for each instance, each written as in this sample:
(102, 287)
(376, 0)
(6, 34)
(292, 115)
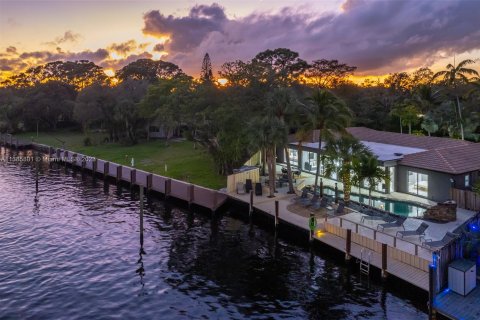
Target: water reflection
(85, 257)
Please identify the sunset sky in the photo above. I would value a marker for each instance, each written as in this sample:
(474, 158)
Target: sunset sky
(378, 37)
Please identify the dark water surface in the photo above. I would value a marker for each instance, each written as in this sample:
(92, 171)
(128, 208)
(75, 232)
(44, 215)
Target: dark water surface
(72, 252)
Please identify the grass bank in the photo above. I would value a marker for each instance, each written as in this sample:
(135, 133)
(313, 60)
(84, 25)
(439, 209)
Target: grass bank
(178, 159)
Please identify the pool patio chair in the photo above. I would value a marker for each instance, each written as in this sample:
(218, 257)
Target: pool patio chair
(258, 189)
(420, 231)
(240, 188)
(314, 201)
(248, 185)
(320, 204)
(304, 195)
(375, 216)
(340, 208)
(395, 224)
(447, 238)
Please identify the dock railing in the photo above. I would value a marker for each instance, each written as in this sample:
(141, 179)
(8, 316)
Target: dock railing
(403, 250)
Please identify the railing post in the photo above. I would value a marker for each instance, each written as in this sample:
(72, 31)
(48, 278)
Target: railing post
(356, 227)
(384, 260)
(341, 222)
(374, 234)
(394, 242)
(348, 244)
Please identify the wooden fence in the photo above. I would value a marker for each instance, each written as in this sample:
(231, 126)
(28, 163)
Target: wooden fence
(233, 179)
(466, 199)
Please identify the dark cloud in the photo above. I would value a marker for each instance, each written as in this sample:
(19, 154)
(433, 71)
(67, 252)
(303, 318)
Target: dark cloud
(11, 50)
(186, 33)
(12, 64)
(159, 47)
(377, 36)
(124, 47)
(118, 64)
(68, 36)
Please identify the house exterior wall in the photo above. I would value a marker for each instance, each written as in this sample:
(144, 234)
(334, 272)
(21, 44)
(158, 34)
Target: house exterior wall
(438, 183)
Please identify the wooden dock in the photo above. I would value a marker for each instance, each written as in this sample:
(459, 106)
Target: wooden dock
(10, 141)
(406, 260)
(455, 306)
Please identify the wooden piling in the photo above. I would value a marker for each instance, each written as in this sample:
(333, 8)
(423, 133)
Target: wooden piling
(149, 182)
(276, 214)
(432, 315)
(36, 172)
(168, 188)
(191, 194)
(384, 260)
(133, 177)
(119, 174)
(106, 169)
(94, 166)
(250, 206)
(141, 216)
(348, 245)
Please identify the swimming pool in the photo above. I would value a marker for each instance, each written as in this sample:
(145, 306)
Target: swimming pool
(401, 208)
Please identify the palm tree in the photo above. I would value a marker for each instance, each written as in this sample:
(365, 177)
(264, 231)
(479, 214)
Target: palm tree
(265, 134)
(328, 113)
(372, 173)
(344, 151)
(453, 76)
(281, 103)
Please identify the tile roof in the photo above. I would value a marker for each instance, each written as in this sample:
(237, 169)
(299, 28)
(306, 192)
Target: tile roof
(407, 140)
(442, 154)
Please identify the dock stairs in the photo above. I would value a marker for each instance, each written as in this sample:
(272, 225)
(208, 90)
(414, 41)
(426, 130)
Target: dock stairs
(365, 258)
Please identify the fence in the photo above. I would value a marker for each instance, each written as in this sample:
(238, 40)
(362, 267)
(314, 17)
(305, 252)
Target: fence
(466, 199)
(233, 179)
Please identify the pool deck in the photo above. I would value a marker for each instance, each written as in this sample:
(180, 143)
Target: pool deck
(407, 259)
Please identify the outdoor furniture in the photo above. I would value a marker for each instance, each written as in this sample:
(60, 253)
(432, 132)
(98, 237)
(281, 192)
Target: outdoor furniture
(395, 224)
(248, 185)
(320, 204)
(375, 216)
(240, 188)
(440, 243)
(420, 231)
(312, 201)
(340, 208)
(304, 195)
(258, 189)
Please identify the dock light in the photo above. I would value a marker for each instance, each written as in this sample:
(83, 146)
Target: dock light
(320, 233)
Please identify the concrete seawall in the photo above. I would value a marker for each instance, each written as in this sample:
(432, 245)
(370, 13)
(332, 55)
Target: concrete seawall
(190, 193)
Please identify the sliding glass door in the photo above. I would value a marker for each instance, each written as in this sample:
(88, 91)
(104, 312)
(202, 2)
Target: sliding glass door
(418, 183)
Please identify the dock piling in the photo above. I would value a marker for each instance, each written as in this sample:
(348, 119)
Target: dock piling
(141, 220)
(384, 260)
(168, 188)
(250, 212)
(432, 314)
(191, 192)
(276, 214)
(348, 245)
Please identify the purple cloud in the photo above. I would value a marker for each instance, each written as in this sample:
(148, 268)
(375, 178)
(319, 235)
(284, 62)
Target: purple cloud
(376, 36)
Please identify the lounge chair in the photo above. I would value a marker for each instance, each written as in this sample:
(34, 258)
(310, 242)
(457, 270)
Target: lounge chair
(313, 201)
(420, 231)
(340, 208)
(440, 243)
(376, 216)
(395, 224)
(323, 203)
(304, 195)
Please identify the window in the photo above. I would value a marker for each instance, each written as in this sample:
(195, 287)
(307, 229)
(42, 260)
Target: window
(309, 161)
(418, 183)
(467, 180)
(293, 155)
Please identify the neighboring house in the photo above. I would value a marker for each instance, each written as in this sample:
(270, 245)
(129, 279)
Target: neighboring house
(423, 166)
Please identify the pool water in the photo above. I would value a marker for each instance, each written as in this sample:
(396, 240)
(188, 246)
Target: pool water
(72, 251)
(401, 208)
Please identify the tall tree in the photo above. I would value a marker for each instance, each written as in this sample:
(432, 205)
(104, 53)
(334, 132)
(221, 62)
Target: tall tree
(150, 70)
(328, 73)
(281, 103)
(206, 74)
(328, 113)
(453, 76)
(344, 151)
(372, 173)
(265, 134)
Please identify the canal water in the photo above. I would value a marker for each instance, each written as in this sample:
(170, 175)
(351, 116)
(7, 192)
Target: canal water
(72, 251)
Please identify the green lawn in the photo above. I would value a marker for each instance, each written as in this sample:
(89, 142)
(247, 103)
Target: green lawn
(182, 160)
